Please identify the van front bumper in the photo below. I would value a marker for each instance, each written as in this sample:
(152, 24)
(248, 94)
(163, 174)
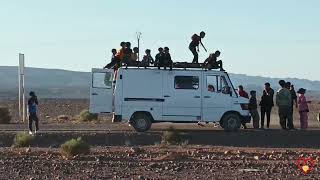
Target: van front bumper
(245, 119)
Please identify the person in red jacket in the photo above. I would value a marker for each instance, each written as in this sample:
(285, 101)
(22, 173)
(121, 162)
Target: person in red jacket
(194, 45)
(243, 93)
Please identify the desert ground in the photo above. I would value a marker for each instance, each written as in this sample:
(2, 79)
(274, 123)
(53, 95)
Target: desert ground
(118, 152)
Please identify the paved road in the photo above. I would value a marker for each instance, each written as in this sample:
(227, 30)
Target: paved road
(122, 134)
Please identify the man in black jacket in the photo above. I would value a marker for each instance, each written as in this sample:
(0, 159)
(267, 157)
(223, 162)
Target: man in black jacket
(266, 104)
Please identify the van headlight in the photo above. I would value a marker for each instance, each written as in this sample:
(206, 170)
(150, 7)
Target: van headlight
(244, 106)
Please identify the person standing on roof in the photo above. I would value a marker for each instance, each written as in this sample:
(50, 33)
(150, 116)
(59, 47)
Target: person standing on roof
(158, 57)
(32, 110)
(194, 45)
(243, 93)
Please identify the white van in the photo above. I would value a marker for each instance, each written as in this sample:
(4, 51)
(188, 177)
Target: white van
(145, 96)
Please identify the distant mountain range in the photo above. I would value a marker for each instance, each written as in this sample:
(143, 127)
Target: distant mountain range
(55, 83)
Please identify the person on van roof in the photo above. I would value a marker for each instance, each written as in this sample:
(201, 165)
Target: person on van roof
(158, 57)
(134, 55)
(212, 63)
(120, 53)
(147, 59)
(113, 60)
(194, 45)
(253, 108)
(166, 60)
(127, 55)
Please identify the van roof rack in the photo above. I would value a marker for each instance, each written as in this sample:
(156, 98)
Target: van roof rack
(177, 65)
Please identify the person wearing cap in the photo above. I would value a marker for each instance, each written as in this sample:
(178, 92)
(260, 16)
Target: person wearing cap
(303, 109)
(194, 45)
(32, 110)
(266, 104)
(283, 101)
(253, 108)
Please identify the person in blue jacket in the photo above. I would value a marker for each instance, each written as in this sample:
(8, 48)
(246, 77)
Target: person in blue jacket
(32, 109)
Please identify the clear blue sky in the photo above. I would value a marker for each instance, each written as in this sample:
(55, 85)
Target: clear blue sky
(276, 38)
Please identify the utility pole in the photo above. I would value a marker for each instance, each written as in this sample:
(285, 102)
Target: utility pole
(138, 38)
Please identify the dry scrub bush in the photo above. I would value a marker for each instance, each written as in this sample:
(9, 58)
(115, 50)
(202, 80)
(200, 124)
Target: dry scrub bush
(5, 117)
(86, 116)
(172, 137)
(74, 147)
(23, 139)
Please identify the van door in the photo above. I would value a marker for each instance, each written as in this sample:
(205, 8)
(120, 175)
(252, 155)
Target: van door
(216, 97)
(101, 91)
(182, 96)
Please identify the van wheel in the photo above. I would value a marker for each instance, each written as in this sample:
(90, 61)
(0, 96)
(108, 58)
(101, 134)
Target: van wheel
(141, 122)
(231, 122)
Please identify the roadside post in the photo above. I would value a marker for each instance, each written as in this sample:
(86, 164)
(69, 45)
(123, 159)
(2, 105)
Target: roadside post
(22, 101)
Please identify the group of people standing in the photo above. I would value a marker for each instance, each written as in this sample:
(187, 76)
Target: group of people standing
(286, 100)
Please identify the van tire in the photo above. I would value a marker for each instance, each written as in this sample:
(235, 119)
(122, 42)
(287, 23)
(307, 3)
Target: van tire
(141, 122)
(231, 122)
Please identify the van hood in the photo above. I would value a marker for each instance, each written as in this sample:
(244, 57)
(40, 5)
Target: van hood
(242, 100)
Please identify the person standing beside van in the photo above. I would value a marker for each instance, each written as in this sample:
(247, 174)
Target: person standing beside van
(32, 110)
(283, 101)
(253, 108)
(266, 104)
(243, 93)
(303, 109)
(194, 45)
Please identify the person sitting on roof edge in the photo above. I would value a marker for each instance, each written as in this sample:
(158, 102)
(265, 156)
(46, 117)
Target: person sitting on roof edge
(158, 57)
(147, 59)
(166, 59)
(113, 60)
(212, 63)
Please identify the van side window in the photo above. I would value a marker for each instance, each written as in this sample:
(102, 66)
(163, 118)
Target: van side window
(212, 81)
(102, 80)
(186, 82)
(224, 86)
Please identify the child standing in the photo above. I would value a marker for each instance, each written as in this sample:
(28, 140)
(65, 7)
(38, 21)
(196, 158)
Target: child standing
(303, 109)
(253, 108)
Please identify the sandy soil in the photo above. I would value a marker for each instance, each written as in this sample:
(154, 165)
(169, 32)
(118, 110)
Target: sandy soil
(157, 162)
